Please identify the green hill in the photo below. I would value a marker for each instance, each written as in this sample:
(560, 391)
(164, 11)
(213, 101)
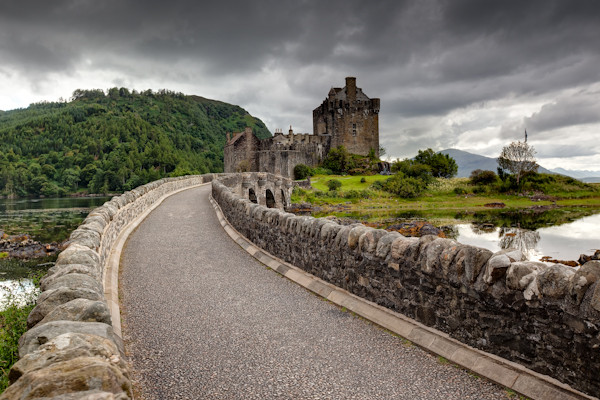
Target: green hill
(110, 142)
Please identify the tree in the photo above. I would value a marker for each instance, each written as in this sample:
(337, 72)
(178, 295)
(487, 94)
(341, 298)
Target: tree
(518, 158)
(338, 160)
(442, 165)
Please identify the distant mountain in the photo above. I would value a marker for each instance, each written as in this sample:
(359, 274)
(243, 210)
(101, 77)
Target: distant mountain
(591, 179)
(578, 174)
(468, 162)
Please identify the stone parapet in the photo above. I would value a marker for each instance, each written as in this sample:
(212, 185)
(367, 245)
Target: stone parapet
(72, 348)
(546, 318)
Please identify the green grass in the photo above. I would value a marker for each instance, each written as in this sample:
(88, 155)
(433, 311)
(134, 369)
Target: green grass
(319, 182)
(440, 204)
(14, 310)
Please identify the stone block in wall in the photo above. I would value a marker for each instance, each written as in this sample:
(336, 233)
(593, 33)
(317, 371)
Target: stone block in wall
(63, 269)
(72, 376)
(585, 276)
(50, 299)
(83, 310)
(40, 334)
(77, 254)
(553, 281)
(384, 244)
(354, 235)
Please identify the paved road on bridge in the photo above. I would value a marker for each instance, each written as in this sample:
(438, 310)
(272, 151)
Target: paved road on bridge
(203, 319)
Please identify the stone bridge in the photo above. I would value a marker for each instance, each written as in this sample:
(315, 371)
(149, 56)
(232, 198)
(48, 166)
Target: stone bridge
(205, 315)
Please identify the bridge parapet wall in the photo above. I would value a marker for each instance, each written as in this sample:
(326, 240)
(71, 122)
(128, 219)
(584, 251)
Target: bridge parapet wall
(546, 318)
(71, 345)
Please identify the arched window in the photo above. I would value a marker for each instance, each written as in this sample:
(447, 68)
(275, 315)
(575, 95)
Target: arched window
(252, 196)
(270, 199)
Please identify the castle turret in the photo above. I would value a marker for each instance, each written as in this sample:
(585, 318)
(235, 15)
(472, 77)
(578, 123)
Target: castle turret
(351, 89)
(350, 118)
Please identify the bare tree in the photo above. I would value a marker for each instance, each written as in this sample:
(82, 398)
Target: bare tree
(518, 158)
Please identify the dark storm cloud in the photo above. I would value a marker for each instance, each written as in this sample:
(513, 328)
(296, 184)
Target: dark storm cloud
(578, 109)
(424, 59)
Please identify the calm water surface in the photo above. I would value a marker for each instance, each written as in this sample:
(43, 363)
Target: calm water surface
(562, 242)
(46, 220)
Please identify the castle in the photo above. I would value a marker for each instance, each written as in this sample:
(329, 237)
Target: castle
(347, 117)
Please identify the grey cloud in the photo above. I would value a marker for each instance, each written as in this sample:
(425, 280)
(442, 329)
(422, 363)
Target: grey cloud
(579, 109)
(424, 59)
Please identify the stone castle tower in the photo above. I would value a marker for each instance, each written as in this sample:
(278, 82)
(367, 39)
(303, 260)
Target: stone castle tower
(350, 118)
(347, 118)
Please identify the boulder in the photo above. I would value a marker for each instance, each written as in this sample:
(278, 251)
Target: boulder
(416, 229)
(37, 336)
(80, 310)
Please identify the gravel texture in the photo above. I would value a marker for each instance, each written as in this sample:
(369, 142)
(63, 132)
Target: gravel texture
(203, 319)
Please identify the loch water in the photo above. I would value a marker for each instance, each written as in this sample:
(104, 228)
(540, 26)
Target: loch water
(46, 220)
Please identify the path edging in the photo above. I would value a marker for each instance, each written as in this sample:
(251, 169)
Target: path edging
(497, 369)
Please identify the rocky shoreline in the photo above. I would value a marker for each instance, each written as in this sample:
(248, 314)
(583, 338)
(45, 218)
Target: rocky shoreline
(22, 246)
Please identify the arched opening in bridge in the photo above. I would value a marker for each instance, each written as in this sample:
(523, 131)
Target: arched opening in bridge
(283, 200)
(252, 196)
(270, 199)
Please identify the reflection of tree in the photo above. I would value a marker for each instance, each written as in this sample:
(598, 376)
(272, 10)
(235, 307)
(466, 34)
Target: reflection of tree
(517, 238)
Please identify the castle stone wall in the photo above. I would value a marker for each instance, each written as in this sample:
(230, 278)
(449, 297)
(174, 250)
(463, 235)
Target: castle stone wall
(544, 317)
(350, 118)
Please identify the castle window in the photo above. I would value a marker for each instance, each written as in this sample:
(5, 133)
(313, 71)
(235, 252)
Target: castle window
(353, 129)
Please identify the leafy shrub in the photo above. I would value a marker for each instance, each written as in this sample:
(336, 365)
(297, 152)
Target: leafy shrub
(338, 160)
(377, 185)
(481, 177)
(363, 180)
(298, 191)
(357, 194)
(334, 184)
(413, 169)
(302, 171)
(406, 187)
(442, 165)
(459, 190)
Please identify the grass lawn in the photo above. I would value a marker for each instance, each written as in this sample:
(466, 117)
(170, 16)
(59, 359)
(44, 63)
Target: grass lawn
(438, 202)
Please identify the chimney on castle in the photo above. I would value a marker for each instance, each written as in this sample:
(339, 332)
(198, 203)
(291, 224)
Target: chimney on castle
(351, 88)
(291, 131)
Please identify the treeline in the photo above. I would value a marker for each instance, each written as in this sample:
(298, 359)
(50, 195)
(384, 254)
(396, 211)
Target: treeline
(113, 141)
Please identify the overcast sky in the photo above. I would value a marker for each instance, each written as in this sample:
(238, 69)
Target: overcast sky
(459, 74)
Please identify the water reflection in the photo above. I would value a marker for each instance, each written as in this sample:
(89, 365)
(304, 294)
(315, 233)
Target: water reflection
(16, 292)
(562, 242)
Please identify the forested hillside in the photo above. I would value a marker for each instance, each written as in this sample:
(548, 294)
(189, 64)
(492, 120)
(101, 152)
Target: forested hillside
(109, 142)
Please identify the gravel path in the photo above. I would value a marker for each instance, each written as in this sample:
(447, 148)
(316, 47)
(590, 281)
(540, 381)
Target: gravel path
(203, 319)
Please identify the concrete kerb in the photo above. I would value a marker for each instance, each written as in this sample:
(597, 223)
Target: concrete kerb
(497, 369)
(111, 275)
